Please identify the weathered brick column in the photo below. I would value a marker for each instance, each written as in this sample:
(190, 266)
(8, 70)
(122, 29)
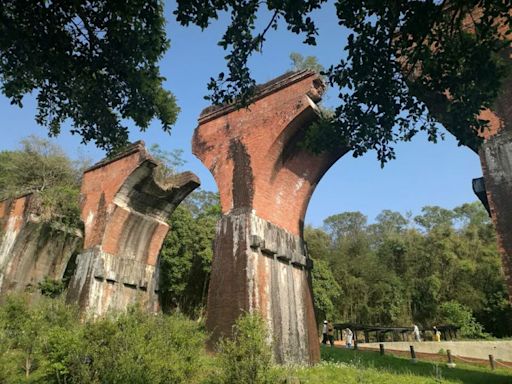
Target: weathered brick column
(31, 248)
(125, 214)
(496, 158)
(265, 180)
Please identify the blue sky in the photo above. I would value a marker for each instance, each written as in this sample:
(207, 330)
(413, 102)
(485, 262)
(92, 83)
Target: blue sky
(423, 173)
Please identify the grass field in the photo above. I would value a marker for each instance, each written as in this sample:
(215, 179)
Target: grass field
(349, 366)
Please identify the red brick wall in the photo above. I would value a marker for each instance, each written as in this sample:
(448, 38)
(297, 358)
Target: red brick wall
(99, 186)
(15, 209)
(255, 159)
(265, 180)
(496, 160)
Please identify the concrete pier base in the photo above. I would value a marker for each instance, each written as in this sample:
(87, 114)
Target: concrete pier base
(259, 267)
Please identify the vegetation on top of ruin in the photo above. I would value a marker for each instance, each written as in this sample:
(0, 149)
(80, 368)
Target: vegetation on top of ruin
(43, 169)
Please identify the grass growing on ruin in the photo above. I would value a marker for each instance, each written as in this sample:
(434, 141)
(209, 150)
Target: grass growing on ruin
(348, 366)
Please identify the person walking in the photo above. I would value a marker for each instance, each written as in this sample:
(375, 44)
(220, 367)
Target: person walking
(324, 332)
(330, 333)
(437, 334)
(349, 335)
(416, 332)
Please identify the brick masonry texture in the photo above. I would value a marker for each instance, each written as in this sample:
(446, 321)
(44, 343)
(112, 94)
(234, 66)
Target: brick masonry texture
(496, 159)
(255, 154)
(265, 180)
(31, 249)
(125, 214)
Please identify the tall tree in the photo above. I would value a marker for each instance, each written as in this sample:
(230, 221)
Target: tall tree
(345, 224)
(433, 216)
(93, 61)
(325, 288)
(397, 51)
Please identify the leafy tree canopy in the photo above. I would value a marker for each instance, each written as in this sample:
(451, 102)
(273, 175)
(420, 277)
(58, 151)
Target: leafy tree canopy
(94, 62)
(398, 52)
(433, 216)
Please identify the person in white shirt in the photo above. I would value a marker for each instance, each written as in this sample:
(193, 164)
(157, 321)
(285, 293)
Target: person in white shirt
(324, 333)
(416, 332)
(350, 335)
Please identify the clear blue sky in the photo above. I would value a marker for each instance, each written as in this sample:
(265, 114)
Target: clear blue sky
(423, 174)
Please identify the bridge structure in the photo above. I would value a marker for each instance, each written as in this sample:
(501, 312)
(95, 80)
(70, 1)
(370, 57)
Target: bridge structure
(266, 178)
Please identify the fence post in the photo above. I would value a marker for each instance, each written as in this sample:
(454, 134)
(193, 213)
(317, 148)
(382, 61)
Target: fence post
(413, 354)
(492, 362)
(450, 364)
(355, 345)
(381, 346)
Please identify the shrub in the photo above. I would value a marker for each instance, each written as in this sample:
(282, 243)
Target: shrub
(247, 356)
(47, 343)
(51, 288)
(452, 312)
(138, 347)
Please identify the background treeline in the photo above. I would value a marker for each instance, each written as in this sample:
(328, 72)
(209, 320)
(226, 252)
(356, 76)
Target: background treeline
(441, 266)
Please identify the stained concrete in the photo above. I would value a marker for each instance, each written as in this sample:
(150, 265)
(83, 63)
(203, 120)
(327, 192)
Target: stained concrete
(109, 283)
(496, 158)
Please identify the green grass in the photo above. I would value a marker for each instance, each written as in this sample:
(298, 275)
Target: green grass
(349, 366)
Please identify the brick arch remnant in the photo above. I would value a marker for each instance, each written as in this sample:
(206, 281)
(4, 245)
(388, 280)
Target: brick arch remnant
(265, 180)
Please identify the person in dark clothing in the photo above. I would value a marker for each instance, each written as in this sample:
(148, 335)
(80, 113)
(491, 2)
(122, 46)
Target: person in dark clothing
(330, 333)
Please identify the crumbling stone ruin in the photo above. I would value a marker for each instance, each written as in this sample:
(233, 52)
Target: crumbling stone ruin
(31, 248)
(125, 212)
(265, 180)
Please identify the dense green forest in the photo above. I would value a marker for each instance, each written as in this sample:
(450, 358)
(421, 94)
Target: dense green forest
(441, 266)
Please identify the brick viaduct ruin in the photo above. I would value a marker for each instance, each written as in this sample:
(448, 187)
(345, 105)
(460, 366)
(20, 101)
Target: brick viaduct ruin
(265, 179)
(124, 211)
(31, 249)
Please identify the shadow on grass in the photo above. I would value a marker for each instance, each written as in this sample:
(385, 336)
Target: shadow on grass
(466, 374)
